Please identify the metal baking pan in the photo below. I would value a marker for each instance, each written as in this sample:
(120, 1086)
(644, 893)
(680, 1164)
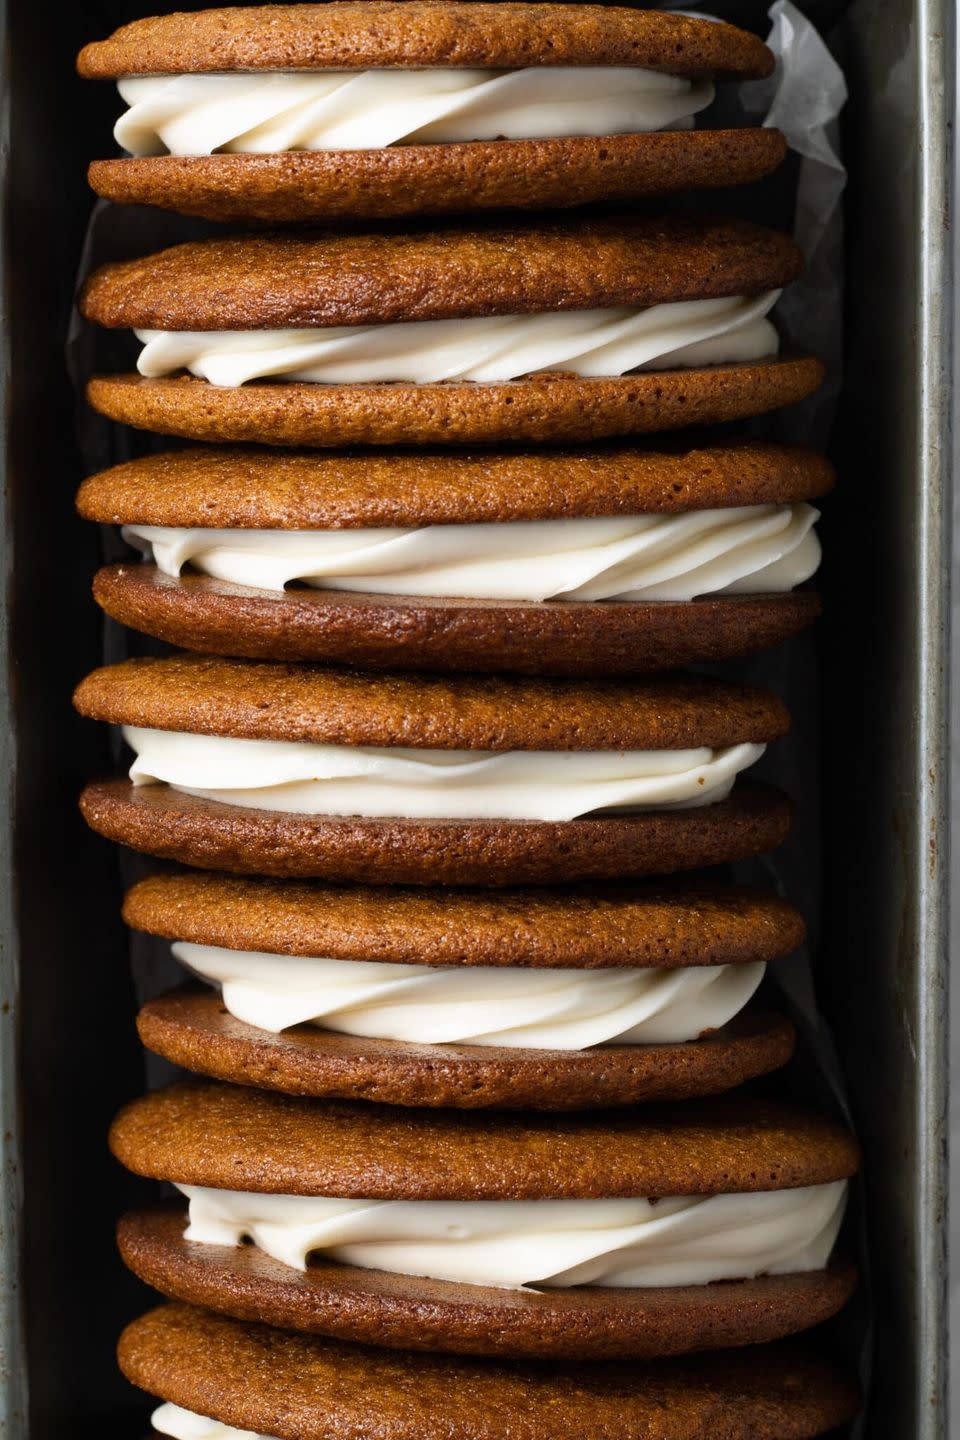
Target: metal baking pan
(885, 654)
(68, 1052)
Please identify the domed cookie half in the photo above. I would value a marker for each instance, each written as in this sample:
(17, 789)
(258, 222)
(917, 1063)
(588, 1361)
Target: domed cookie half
(294, 771)
(245, 1380)
(651, 1232)
(358, 111)
(547, 332)
(591, 562)
(555, 1000)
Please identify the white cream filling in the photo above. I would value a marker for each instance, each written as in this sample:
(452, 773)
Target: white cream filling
(432, 784)
(743, 550)
(687, 1240)
(688, 333)
(515, 1006)
(186, 1425)
(271, 111)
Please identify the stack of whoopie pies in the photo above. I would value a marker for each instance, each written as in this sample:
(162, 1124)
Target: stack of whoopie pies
(464, 1149)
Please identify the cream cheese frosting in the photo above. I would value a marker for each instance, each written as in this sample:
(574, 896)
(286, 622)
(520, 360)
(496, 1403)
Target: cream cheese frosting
(364, 780)
(492, 348)
(742, 550)
(273, 111)
(684, 1240)
(513, 1006)
(187, 1425)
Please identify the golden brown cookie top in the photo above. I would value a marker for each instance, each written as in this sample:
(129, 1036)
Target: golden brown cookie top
(262, 282)
(261, 701)
(228, 1137)
(233, 488)
(543, 409)
(668, 923)
(304, 1387)
(422, 33)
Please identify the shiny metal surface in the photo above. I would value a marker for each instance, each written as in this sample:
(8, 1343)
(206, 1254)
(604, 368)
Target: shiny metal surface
(886, 685)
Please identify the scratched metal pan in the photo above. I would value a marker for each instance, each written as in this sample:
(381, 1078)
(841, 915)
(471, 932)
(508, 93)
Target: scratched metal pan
(885, 655)
(68, 1054)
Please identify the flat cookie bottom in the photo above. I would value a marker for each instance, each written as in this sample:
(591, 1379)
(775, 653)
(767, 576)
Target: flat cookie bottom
(164, 822)
(404, 1312)
(216, 617)
(191, 1027)
(299, 1387)
(551, 408)
(437, 179)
